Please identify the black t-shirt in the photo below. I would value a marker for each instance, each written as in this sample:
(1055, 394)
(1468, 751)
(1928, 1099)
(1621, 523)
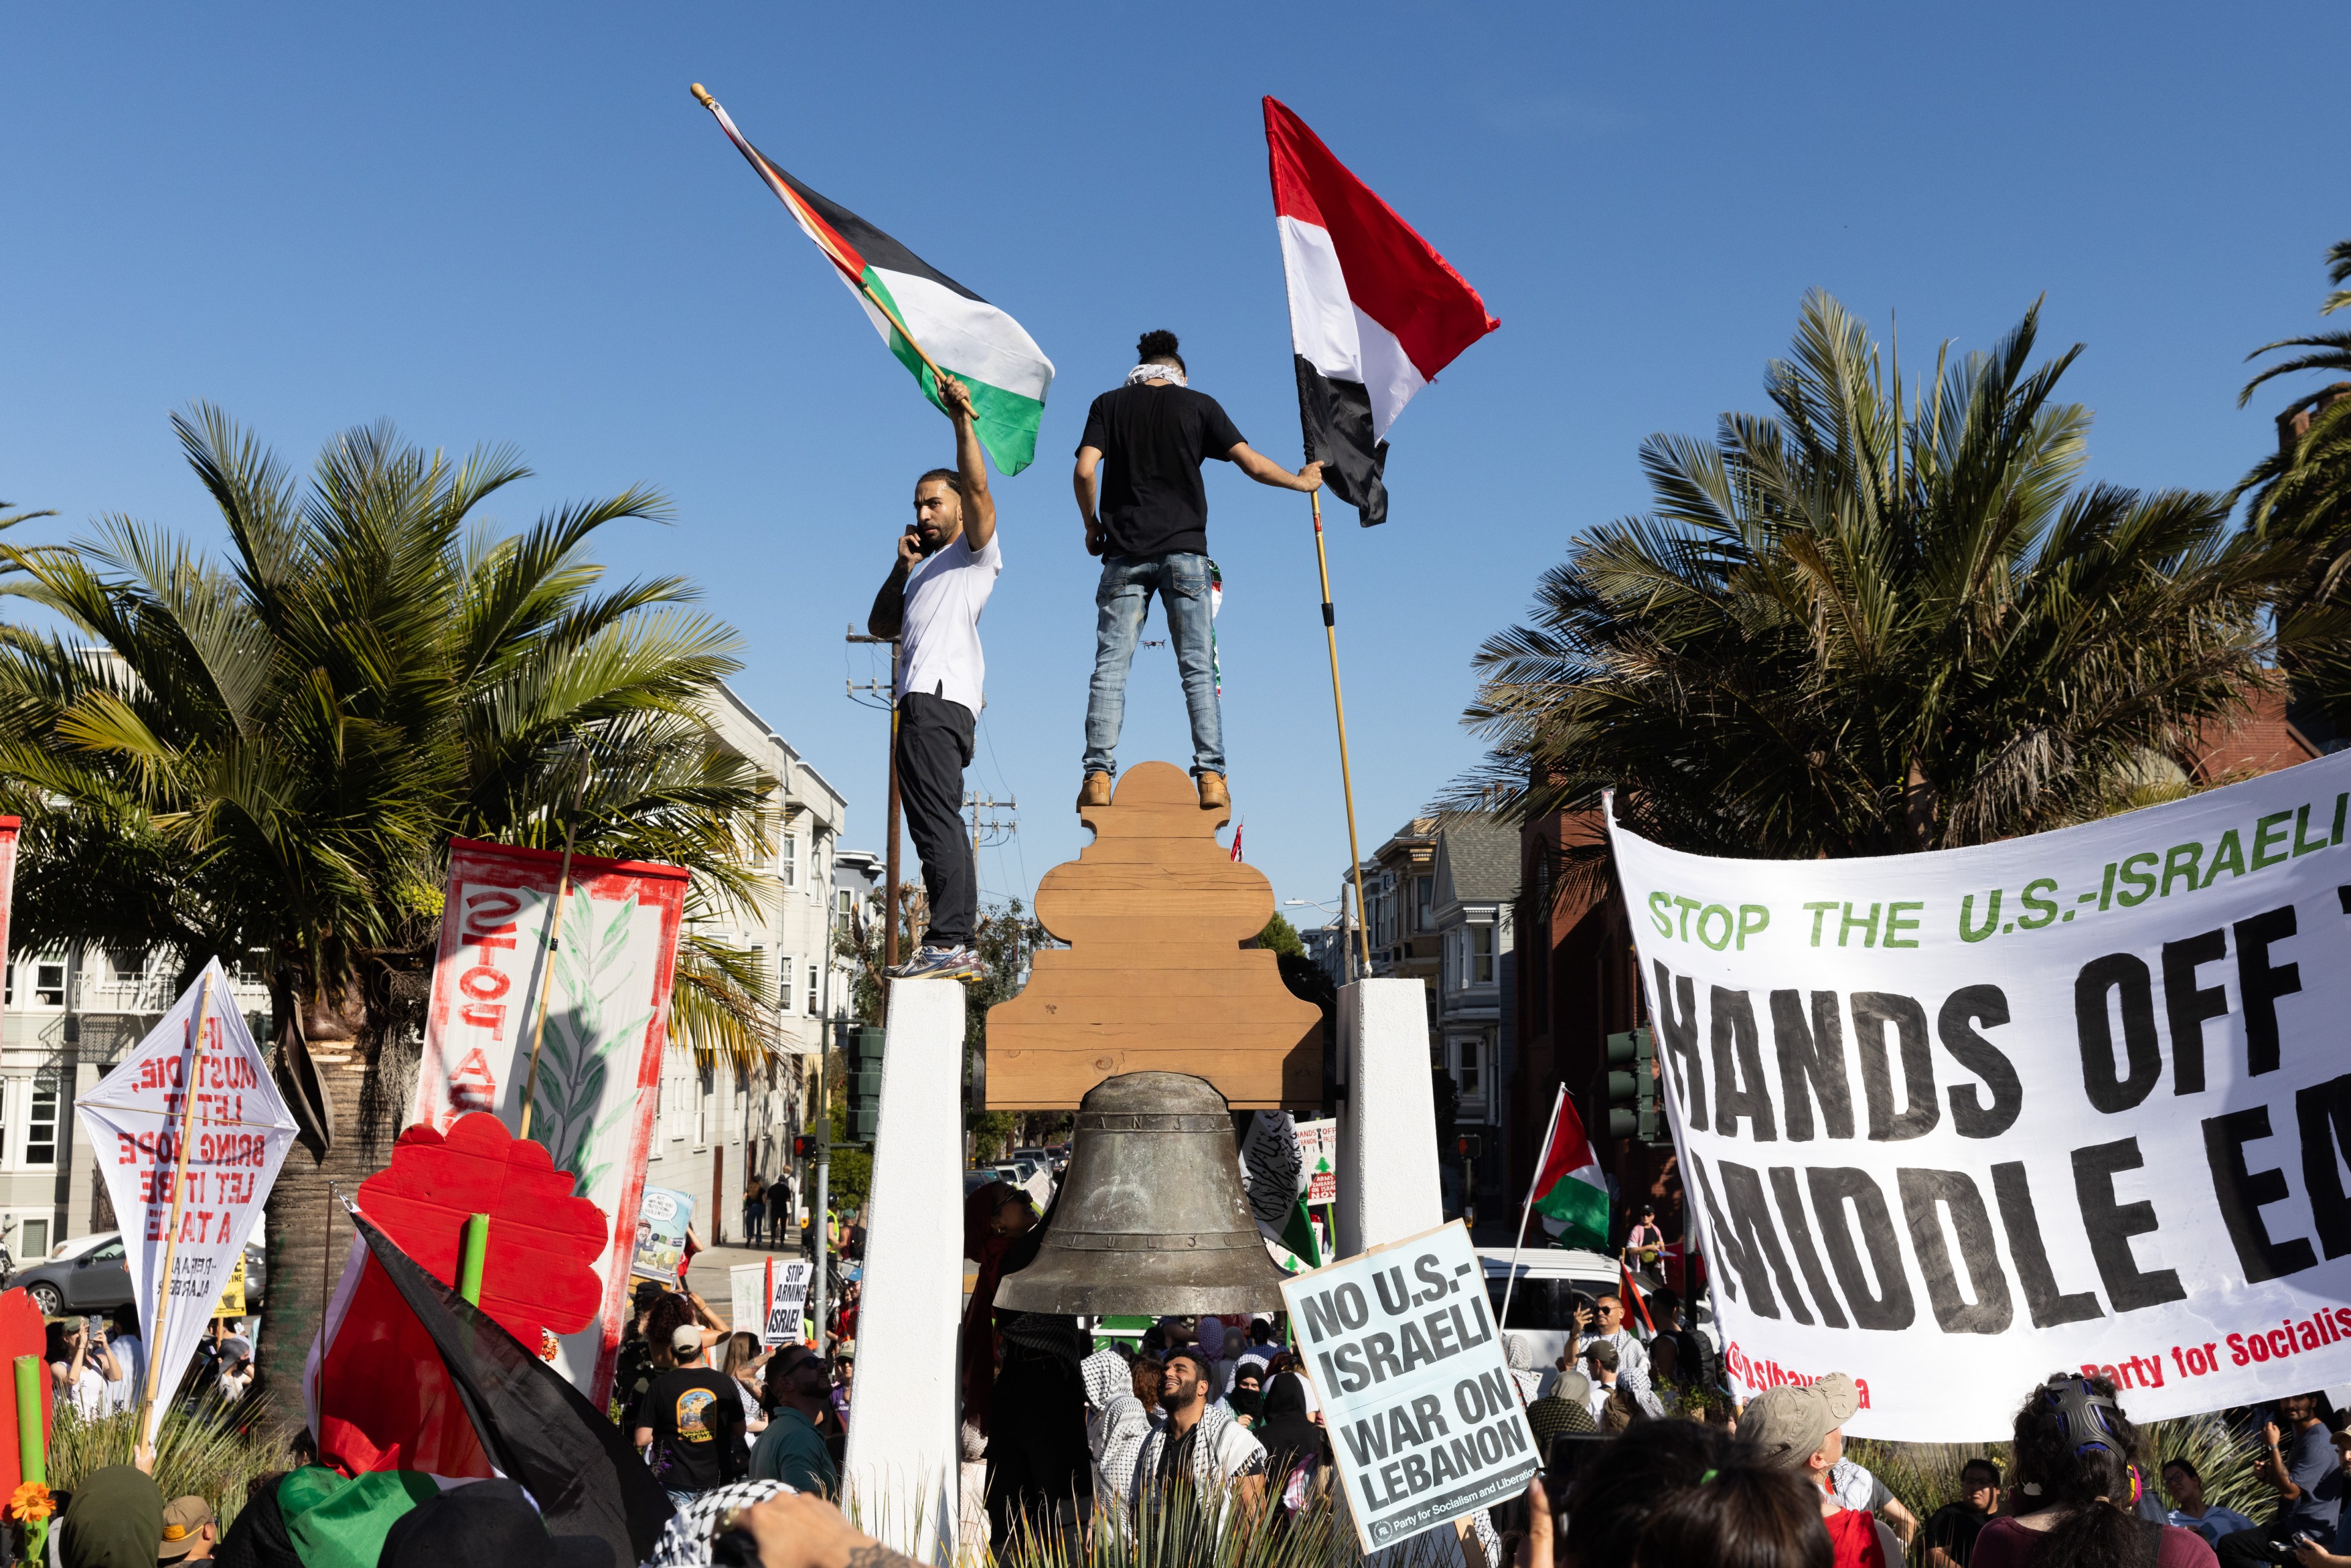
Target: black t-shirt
(1152, 439)
(1954, 1528)
(697, 1422)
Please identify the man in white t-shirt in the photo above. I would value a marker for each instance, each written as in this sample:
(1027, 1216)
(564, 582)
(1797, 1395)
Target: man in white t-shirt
(948, 564)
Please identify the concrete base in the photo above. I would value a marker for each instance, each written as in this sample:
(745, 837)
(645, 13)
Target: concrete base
(1388, 1181)
(903, 1468)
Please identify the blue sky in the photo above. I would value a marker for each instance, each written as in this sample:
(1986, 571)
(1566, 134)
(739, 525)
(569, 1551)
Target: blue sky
(513, 223)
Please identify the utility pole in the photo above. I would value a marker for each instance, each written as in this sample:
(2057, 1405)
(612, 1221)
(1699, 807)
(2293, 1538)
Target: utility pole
(997, 829)
(890, 873)
(817, 1278)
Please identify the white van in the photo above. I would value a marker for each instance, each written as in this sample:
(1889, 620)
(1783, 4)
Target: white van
(1543, 1302)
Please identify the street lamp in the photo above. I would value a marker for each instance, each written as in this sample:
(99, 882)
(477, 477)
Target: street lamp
(1338, 917)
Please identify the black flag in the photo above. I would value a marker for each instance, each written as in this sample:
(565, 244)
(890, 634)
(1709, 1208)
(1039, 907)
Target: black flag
(535, 1426)
(1337, 417)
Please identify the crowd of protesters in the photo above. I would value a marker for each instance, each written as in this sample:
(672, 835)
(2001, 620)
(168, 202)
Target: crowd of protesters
(1646, 1461)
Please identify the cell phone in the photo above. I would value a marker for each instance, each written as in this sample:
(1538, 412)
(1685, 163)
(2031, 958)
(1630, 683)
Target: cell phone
(95, 1327)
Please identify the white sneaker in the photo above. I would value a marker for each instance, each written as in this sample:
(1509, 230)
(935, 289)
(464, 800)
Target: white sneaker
(931, 963)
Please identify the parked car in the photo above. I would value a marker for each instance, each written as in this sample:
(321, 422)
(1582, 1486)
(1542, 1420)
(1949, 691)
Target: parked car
(1549, 1281)
(96, 1280)
(95, 1276)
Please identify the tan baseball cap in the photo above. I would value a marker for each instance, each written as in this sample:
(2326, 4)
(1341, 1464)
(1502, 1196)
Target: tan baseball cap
(685, 1340)
(1791, 1422)
(185, 1518)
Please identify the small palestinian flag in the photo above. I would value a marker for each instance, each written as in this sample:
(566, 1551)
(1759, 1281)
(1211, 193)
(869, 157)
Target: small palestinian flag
(1571, 1194)
(1374, 312)
(912, 303)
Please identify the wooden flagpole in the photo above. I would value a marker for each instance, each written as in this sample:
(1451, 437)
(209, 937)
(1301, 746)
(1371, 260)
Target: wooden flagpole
(1347, 779)
(179, 1191)
(554, 945)
(784, 193)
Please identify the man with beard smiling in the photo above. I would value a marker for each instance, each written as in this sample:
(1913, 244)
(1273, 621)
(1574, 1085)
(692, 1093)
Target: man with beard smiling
(1199, 1445)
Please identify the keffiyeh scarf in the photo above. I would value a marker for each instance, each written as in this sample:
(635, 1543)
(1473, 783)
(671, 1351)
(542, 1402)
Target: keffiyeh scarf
(1215, 1419)
(1521, 1356)
(1142, 373)
(685, 1540)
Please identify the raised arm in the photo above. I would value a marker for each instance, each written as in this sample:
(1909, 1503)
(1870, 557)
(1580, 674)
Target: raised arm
(1084, 482)
(1266, 471)
(971, 465)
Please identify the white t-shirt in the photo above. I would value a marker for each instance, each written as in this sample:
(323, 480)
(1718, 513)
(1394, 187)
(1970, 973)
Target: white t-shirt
(131, 1356)
(87, 1394)
(940, 650)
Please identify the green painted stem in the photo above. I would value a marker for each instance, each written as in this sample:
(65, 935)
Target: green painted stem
(469, 1257)
(29, 1456)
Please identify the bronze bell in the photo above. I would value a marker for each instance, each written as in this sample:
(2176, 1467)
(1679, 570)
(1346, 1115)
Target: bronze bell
(1151, 1218)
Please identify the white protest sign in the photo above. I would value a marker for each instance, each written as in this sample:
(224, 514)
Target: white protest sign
(1318, 1145)
(1424, 1418)
(2078, 1100)
(235, 1131)
(785, 1282)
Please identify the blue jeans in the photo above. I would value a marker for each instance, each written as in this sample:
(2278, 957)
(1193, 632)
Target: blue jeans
(1128, 582)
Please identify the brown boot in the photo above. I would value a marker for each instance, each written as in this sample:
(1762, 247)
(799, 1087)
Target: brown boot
(1213, 797)
(1095, 792)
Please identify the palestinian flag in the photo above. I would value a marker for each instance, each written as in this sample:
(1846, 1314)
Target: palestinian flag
(919, 310)
(538, 1429)
(1570, 1192)
(1374, 312)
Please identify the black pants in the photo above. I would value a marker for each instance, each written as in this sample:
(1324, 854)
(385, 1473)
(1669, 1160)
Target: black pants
(933, 749)
(2245, 1547)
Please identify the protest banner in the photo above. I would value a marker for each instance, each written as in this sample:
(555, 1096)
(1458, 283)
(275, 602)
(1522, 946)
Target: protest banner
(1424, 1421)
(1273, 1176)
(607, 1016)
(664, 1216)
(9, 827)
(188, 1133)
(1318, 1145)
(1951, 1120)
(785, 1284)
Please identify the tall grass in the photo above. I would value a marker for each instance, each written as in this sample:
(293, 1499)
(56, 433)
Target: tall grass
(213, 1456)
(1926, 1476)
(1175, 1530)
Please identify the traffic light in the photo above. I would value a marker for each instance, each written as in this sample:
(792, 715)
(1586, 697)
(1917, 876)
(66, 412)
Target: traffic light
(1626, 1094)
(803, 1148)
(860, 1047)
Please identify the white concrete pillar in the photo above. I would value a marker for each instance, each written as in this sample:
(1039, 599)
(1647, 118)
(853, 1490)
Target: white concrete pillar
(902, 1465)
(1388, 1122)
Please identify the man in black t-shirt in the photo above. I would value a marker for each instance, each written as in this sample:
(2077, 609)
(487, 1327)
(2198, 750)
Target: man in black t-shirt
(1149, 522)
(693, 1418)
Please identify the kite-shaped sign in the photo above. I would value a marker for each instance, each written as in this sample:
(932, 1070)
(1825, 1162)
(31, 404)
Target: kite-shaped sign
(189, 1133)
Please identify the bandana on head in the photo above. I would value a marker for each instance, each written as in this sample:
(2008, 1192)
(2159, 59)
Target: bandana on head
(1142, 373)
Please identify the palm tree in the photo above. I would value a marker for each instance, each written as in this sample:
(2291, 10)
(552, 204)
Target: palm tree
(266, 760)
(2301, 500)
(1858, 627)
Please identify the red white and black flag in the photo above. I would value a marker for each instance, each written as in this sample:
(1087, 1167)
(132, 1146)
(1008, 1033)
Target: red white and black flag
(1374, 312)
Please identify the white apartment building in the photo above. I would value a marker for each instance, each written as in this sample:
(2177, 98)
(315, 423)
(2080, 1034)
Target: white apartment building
(70, 1018)
(719, 1124)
